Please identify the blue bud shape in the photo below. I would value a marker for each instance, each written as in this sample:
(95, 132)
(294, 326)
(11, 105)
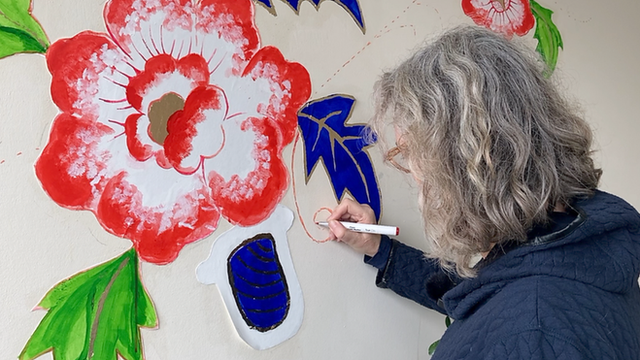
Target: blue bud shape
(258, 283)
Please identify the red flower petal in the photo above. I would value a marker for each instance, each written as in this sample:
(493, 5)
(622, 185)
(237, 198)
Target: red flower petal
(158, 232)
(167, 26)
(196, 131)
(249, 200)
(71, 161)
(290, 89)
(238, 28)
(194, 67)
(137, 148)
(162, 161)
(130, 20)
(76, 68)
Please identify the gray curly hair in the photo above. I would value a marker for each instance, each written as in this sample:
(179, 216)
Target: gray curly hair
(491, 142)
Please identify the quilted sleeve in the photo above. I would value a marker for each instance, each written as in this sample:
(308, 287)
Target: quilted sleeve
(412, 275)
(537, 344)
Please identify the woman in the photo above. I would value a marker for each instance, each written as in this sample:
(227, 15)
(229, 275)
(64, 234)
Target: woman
(505, 174)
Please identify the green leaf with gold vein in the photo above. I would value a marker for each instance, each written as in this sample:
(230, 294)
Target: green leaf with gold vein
(96, 314)
(547, 34)
(19, 31)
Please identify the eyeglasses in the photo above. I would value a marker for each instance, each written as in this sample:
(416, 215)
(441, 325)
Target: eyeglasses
(390, 157)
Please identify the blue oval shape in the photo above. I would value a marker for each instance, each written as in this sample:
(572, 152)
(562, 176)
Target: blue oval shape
(258, 283)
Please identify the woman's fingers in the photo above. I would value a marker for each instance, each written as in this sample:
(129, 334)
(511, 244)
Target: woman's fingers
(337, 229)
(349, 210)
(341, 212)
(363, 243)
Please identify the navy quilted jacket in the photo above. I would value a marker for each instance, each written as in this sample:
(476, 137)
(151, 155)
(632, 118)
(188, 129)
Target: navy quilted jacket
(569, 294)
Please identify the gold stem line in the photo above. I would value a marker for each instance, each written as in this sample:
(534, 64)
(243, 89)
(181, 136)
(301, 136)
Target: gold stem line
(103, 298)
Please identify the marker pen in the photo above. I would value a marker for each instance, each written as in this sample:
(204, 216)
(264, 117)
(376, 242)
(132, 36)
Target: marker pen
(367, 228)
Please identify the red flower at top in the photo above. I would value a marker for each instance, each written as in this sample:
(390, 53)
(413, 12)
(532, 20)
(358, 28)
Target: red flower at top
(174, 118)
(502, 16)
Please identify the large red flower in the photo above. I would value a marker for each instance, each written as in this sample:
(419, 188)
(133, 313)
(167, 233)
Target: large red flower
(175, 117)
(502, 16)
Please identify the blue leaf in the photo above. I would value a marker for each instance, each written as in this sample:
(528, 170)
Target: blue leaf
(341, 148)
(266, 3)
(351, 6)
(295, 4)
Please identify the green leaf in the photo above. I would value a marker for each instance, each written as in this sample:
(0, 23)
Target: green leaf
(95, 314)
(548, 36)
(19, 31)
(432, 347)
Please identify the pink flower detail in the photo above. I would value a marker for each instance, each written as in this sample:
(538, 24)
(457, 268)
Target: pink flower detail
(174, 118)
(502, 16)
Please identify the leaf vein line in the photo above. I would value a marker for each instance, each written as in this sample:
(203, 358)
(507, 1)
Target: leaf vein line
(337, 138)
(103, 298)
(24, 28)
(357, 164)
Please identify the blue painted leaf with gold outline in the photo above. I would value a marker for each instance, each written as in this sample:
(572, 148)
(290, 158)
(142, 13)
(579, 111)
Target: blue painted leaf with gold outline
(351, 6)
(341, 147)
(266, 3)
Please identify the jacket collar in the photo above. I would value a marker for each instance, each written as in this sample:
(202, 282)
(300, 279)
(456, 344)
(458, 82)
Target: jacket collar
(600, 248)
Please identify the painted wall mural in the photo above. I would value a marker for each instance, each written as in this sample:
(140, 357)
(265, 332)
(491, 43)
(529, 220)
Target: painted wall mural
(175, 118)
(510, 17)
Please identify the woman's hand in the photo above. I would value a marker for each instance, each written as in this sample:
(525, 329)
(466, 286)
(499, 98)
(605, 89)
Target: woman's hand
(351, 211)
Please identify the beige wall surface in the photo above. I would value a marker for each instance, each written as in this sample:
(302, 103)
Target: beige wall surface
(346, 316)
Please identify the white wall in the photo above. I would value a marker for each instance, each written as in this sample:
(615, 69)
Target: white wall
(346, 316)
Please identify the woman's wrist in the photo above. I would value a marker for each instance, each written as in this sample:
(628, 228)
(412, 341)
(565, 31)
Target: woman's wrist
(373, 245)
(380, 258)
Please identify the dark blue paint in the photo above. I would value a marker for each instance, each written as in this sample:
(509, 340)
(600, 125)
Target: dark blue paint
(256, 290)
(351, 6)
(294, 3)
(266, 3)
(254, 268)
(256, 305)
(258, 283)
(265, 319)
(348, 164)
